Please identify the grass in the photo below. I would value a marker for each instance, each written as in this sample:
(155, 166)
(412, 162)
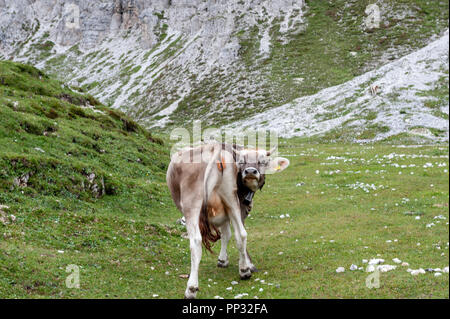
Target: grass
(117, 248)
(122, 232)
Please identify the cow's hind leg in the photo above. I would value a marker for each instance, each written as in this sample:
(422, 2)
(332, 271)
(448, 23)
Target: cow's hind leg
(252, 266)
(225, 231)
(195, 242)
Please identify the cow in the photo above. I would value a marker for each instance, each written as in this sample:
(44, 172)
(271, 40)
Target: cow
(213, 185)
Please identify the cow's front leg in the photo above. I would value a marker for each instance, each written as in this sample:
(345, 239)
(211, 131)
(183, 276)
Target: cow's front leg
(241, 243)
(195, 242)
(225, 231)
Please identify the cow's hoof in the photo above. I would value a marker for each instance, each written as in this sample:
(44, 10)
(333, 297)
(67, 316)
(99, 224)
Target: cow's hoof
(254, 269)
(191, 293)
(222, 263)
(245, 273)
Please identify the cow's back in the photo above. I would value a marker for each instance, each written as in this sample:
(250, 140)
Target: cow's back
(186, 173)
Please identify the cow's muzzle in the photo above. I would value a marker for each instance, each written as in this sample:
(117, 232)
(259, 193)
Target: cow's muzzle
(251, 171)
(250, 178)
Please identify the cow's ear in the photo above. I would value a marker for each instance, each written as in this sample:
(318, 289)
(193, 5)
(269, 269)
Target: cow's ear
(278, 164)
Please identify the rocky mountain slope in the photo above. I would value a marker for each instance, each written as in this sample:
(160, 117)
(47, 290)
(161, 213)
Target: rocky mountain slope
(407, 95)
(167, 62)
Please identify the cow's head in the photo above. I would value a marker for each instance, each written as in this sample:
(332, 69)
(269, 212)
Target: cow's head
(254, 164)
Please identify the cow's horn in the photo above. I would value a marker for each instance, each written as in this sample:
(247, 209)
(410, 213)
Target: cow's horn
(272, 150)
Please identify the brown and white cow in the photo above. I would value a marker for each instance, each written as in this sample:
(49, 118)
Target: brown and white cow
(212, 185)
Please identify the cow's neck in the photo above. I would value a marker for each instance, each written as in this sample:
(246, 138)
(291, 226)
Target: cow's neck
(245, 196)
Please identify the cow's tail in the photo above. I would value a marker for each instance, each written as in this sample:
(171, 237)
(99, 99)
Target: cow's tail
(210, 234)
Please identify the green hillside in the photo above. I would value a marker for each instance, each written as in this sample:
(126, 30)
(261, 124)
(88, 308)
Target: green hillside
(58, 142)
(72, 172)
